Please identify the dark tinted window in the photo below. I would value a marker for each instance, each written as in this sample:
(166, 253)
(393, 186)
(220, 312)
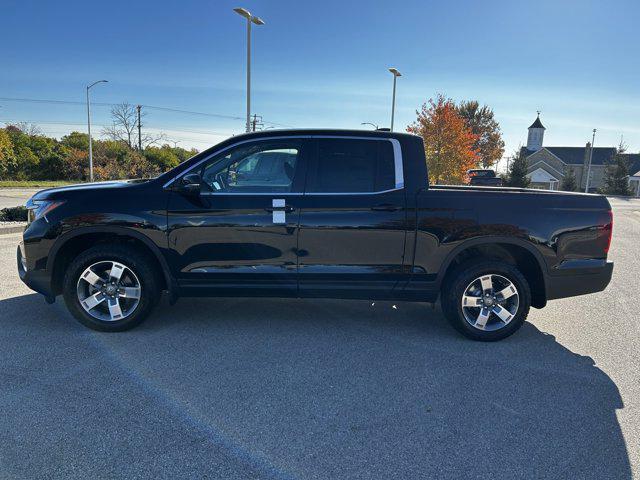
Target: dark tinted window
(353, 166)
(482, 173)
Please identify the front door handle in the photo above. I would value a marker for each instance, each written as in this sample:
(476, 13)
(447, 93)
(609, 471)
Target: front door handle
(286, 209)
(386, 207)
(279, 210)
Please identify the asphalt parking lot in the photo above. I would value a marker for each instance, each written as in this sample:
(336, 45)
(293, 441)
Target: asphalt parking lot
(242, 388)
(12, 197)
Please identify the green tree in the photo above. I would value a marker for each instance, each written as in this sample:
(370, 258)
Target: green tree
(115, 160)
(569, 182)
(517, 174)
(26, 161)
(7, 155)
(163, 157)
(184, 154)
(76, 140)
(616, 174)
(481, 122)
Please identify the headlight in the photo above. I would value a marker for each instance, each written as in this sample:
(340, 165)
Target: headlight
(39, 208)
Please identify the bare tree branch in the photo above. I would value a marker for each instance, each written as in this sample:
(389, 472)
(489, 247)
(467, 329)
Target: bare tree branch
(29, 128)
(122, 129)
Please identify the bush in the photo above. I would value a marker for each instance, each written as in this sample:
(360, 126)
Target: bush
(28, 156)
(13, 214)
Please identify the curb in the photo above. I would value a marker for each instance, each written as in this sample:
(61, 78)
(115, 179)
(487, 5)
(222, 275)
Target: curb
(12, 229)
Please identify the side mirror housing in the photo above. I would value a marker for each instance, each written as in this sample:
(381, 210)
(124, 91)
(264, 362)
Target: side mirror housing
(190, 184)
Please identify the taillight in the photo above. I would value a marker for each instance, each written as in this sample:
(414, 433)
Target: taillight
(609, 228)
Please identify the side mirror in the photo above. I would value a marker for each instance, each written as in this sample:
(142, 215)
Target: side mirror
(190, 184)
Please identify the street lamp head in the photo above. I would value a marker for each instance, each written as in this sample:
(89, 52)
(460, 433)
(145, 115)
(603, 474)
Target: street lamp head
(395, 72)
(95, 83)
(244, 12)
(247, 14)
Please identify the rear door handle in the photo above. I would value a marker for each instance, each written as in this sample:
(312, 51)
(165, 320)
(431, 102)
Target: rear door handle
(386, 207)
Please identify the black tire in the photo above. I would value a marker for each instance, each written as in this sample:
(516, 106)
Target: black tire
(461, 277)
(137, 261)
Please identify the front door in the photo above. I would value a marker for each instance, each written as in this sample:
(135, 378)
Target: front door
(353, 219)
(241, 231)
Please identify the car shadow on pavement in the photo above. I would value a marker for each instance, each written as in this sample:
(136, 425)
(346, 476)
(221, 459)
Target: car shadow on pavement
(311, 388)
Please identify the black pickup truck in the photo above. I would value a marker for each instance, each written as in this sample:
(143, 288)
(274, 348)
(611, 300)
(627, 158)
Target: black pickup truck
(484, 178)
(314, 213)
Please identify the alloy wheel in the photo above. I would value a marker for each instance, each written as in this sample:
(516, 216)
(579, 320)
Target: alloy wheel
(109, 291)
(490, 302)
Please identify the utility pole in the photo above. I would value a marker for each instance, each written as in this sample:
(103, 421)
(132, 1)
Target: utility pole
(593, 139)
(138, 107)
(256, 122)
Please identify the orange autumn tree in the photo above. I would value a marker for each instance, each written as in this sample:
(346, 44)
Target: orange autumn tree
(448, 142)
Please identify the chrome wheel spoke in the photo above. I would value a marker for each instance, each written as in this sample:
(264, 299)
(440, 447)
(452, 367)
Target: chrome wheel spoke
(470, 301)
(507, 292)
(483, 317)
(114, 308)
(130, 292)
(487, 284)
(90, 302)
(502, 313)
(116, 271)
(90, 277)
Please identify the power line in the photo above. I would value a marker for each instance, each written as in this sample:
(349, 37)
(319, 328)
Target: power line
(104, 125)
(155, 107)
(56, 131)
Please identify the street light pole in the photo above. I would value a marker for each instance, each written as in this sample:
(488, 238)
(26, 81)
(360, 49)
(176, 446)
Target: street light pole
(396, 74)
(593, 139)
(89, 129)
(258, 21)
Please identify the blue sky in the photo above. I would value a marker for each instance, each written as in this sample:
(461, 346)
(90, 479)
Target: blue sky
(324, 63)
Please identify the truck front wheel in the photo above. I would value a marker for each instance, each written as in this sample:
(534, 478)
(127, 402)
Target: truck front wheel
(111, 288)
(486, 300)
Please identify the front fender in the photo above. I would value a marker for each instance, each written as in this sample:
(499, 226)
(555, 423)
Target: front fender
(120, 231)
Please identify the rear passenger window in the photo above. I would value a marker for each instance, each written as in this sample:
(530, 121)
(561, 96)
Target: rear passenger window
(353, 166)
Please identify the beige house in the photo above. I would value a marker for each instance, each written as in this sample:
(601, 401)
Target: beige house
(549, 165)
(634, 183)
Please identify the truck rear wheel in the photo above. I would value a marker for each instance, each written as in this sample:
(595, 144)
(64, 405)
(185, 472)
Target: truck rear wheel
(486, 300)
(111, 288)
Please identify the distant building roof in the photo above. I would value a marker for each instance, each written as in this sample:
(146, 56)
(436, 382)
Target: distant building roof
(537, 123)
(575, 156)
(634, 163)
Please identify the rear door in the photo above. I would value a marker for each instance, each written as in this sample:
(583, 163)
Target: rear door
(353, 219)
(241, 232)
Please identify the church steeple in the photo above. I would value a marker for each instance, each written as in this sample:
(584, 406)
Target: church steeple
(536, 135)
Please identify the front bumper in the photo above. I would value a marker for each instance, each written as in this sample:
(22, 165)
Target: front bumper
(579, 278)
(37, 280)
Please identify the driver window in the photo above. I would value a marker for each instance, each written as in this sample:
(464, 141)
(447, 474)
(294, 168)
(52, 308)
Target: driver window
(264, 167)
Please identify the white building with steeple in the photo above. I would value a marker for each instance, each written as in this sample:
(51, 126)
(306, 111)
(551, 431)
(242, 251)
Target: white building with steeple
(548, 165)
